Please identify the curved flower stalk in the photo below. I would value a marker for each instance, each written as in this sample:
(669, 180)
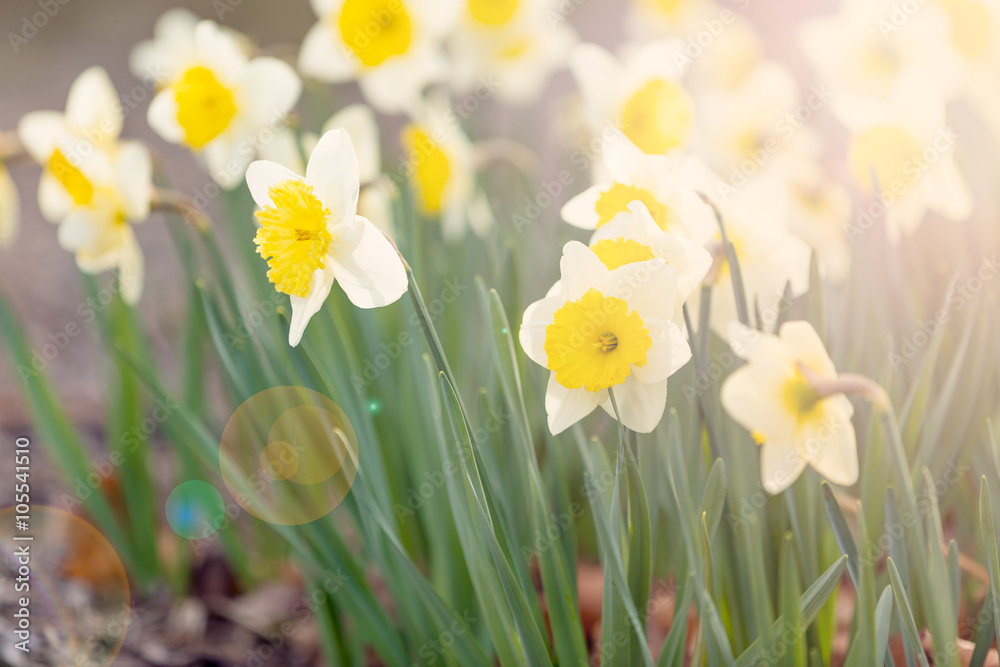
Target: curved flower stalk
(214, 99)
(658, 181)
(599, 328)
(311, 235)
(791, 399)
(507, 49)
(391, 47)
(92, 184)
(10, 208)
(440, 163)
(642, 96)
(903, 153)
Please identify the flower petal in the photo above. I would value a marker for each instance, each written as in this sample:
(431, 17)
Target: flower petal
(133, 178)
(303, 308)
(262, 175)
(272, 88)
(641, 405)
(371, 273)
(131, 269)
(780, 466)
(162, 116)
(324, 57)
(93, 107)
(359, 121)
(832, 448)
(41, 132)
(333, 171)
(537, 317)
(581, 210)
(566, 407)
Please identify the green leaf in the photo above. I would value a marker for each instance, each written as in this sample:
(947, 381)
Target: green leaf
(910, 633)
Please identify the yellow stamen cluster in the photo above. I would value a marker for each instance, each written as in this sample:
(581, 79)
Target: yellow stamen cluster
(205, 107)
(616, 199)
(375, 30)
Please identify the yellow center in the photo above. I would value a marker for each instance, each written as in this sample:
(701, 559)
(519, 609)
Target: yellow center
(492, 12)
(431, 168)
(293, 237)
(658, 117)
(668, 7)
(594, 342)
(71, 178)
(204, 106)
(882, 61)
(970, 26)
(616, 199)
(890, 152)
(621, 251)
(375, 30)
(801, 400)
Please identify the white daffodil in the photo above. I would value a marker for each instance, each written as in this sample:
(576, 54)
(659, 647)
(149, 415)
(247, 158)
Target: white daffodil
(439, 162)
(391, 47)
(643, 96)
(744, 127)
(633, 236)
(769, 255)
(310, 234)
(599, 329)
(507, 49)
(821, 213)
(217, 101)
(863, 48)
(903, 153)
(92, 184)
(658, 181)
(782, 397)
(10, 208)
(650, 18)
(172, 49)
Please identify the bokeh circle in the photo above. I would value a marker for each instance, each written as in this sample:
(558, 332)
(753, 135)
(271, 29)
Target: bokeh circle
(288, 455)
(195, 510)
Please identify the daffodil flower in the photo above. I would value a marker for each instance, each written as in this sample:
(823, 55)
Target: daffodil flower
(10, 208)
(658, 181)
(634, 236)
(439, 161)
(217, 101)
(507, 49)
(599, 329)
(779, 397)
(92, 184)
(651, 18)
(769, 255)
(643, 96)
(860, 50)
(391, 47)
(903, 153)
(310, 234)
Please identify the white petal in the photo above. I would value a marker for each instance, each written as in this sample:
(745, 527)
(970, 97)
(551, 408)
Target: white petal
(262, 175)
(77, 231)
(641, 405)
(752, 397)
(41, 132)
(53, 200)
(333, 171)
(133, 176)
(780, 466)
(581, 210)
(580, 270)
(831, 448)
(324, 57)
(804, 344)
(536, 318)
(946, 191)
(220, 51)
(227, 157)
(162, 116)
(596, 71)
(359, 121)
(371, 273)
(271, 90)
(566, 407)
(10, 209)
(649, 287)
(94, 108)
(304, 308)
(668, 353)
(131, 271)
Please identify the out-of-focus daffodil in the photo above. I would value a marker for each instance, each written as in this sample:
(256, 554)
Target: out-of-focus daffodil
(440, 164)
(657, 181)
(310, 233)
(633, 236)
(862, 50)
(642, 96)
(92, 184)
(769, 255)
(507, 49)
(903, 153)
(10, 208)
(652, 18)
(214, 99)
(599, 329)
(391, 47)
(786, 396)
